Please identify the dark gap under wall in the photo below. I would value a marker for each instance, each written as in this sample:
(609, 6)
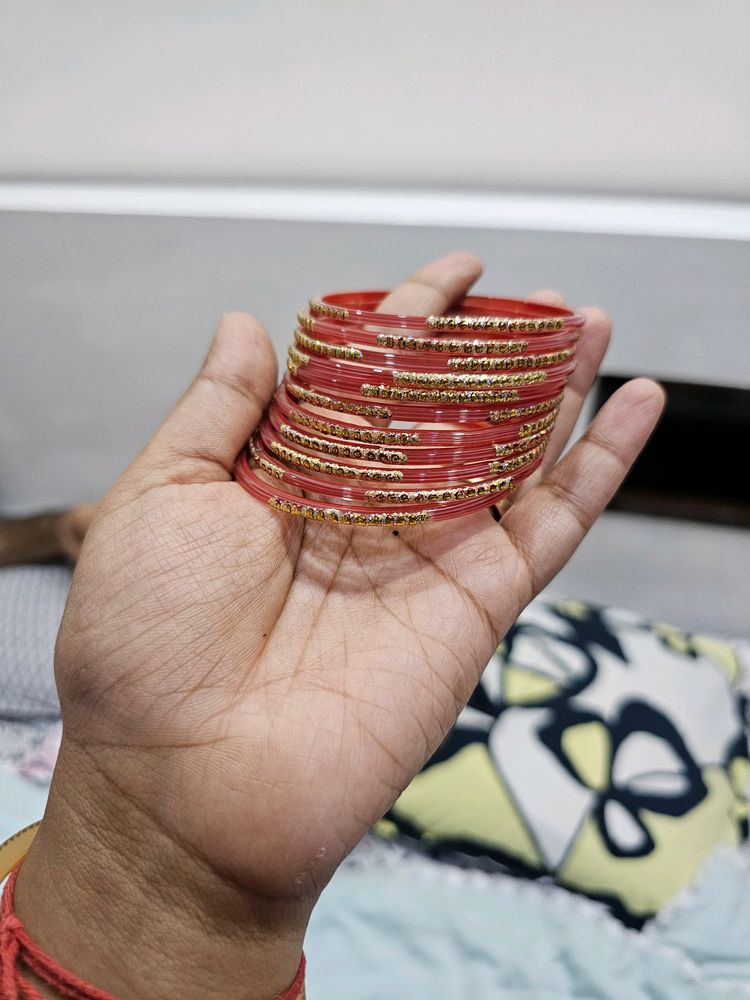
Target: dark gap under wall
(696, 464)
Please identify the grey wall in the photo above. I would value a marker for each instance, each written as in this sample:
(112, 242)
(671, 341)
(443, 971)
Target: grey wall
(104, 319)
(624, 95)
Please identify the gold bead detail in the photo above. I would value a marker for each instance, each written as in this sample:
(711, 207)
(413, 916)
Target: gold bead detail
(328, 403)
(320, 309)
(543, 424)
(494, 323)
(401, 343)
(349, 516)
(326, 349)
(346, 450)
(527, 361)
(497, 416)
(511, 447)
(306, 321)
(366, 434)
(333, 468)
(511, 464)
(296, 359)
(270, 467)
(450, 380)
(468, 492)
(437, 395)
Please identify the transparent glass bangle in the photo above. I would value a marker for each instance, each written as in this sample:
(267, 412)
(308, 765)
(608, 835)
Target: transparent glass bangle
(335, 425)
(364, 515)
(436, 406)
(321, 337)
(351, 374)
(277, 451)
(472, 312)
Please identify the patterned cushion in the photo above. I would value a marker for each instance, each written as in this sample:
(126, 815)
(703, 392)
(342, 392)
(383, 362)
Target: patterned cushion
(600, 749)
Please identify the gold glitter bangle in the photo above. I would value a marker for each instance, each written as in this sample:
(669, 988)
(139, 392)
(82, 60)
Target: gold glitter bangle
(493, 323)
(511, 447)
(296, 359)
(367, 434)
(333, 468)
(262, 462)
(441, 495)
(346, 450)
(497, 416)
(319, 309)
(326, 349)
(329, 403)
(402, 343)
(521, 361)
(450, 380)
(349, 516)
(437, 396)
(543, 424)
(511, 464)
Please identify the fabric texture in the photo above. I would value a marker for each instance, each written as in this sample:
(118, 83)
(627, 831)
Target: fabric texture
(600, 749)
(553, 709)
(32, 599)
(398, 925)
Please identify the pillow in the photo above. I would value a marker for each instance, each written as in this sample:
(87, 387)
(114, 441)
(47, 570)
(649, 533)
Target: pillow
(600, 749)
(32, 599)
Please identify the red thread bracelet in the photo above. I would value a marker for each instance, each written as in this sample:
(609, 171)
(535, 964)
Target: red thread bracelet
(17, 948)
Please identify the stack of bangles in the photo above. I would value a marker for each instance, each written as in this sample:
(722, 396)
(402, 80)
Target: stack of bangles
(384, 419)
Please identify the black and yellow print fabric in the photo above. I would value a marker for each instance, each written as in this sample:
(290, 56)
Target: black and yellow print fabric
(600, 749)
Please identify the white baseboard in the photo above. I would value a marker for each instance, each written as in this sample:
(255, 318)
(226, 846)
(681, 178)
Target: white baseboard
(657, 217)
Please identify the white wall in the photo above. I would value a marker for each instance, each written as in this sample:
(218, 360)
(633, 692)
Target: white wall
(616, 95)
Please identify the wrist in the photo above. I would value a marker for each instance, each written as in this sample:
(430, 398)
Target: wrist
(29, 539)
(122, 904)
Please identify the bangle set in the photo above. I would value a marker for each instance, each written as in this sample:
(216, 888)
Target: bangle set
(494, 372)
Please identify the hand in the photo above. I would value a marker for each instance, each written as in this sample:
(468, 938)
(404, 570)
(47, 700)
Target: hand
(244, 693)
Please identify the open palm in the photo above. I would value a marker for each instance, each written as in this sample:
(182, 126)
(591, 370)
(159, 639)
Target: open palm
(263, 687)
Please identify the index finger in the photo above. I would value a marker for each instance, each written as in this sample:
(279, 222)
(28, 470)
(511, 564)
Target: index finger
(434, 287)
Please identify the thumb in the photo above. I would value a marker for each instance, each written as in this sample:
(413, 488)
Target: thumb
(202, 436)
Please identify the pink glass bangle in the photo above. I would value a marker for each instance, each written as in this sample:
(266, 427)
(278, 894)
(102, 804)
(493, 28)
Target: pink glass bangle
(396, 368)
(377, 496)
(321, 443)
(341, 376)
(431, 342)
(473, 312)
(275, 449)
(326, 349)
(430, 408)
(468, 434)
(479, 391)
(385, 515)
(412, 387)
(348, 490)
